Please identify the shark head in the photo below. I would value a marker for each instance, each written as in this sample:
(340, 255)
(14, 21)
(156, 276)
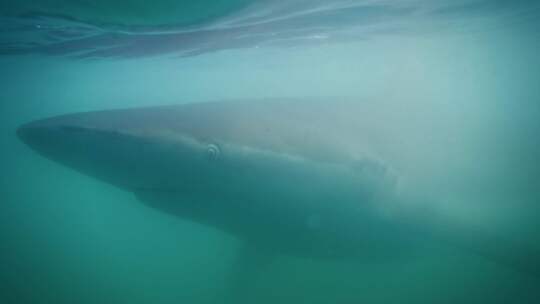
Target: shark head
(188, 148)
(261, 172)
(175, 146)
(132, 149)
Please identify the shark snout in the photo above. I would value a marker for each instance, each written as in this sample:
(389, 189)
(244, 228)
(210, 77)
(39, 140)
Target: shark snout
(31, 133)
(48, 135)
(23, 132)
(35, 131)
(47, 129)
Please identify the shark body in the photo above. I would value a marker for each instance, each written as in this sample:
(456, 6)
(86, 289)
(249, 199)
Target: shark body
(310, 179)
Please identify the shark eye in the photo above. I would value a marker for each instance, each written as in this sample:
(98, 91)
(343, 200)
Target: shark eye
(212, 152)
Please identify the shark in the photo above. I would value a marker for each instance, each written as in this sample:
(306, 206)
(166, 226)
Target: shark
(306, 178)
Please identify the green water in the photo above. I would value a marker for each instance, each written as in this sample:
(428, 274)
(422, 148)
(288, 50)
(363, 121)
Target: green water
(66, 238)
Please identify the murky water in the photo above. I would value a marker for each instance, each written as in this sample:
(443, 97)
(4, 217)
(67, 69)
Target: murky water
(456, 83)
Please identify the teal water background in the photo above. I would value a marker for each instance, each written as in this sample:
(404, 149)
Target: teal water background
(65, 238)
